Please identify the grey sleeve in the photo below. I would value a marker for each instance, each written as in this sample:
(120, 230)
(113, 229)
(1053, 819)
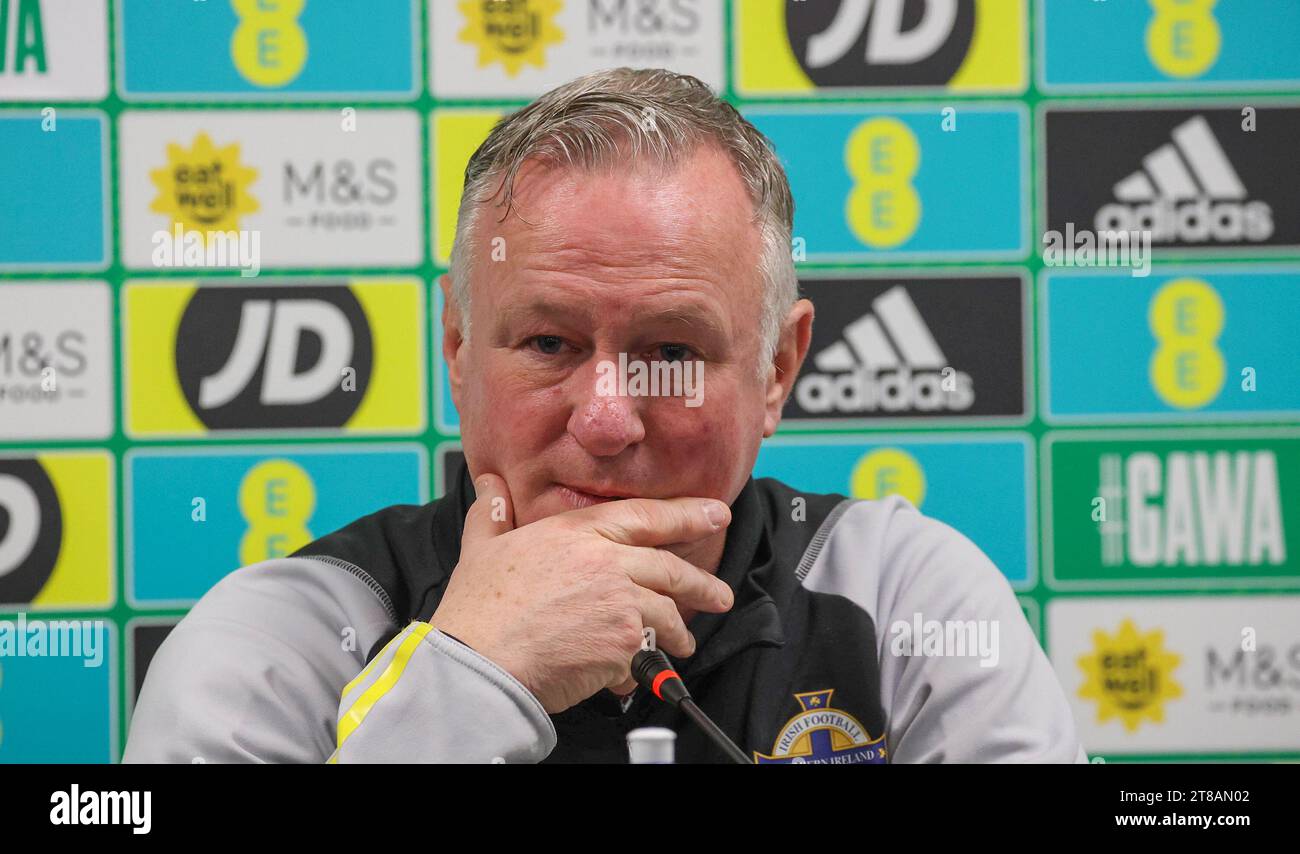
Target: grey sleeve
(985, 692)
(270, 667)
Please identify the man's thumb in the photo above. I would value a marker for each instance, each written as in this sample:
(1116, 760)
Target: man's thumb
(492, 513)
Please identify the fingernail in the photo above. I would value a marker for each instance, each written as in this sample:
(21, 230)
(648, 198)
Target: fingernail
(715, 514)
(726, 597)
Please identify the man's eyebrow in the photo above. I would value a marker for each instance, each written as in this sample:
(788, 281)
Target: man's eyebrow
(540, 309)
(700, 319)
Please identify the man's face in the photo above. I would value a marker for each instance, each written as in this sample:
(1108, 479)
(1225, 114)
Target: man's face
(658, 265)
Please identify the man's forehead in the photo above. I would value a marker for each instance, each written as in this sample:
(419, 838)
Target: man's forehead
(631, 204)
(643, 232)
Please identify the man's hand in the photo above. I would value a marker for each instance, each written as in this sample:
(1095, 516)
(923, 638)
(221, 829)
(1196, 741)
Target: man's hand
(560, 603)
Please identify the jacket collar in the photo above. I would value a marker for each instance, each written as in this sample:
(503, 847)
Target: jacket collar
(754, 619)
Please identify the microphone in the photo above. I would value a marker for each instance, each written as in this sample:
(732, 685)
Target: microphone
(651, 670)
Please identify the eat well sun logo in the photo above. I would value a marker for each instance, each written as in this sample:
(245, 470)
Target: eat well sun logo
(1130, 675)
(204, 188)
(514, 33)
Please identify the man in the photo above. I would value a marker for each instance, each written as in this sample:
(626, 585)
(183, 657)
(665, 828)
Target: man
(626, 218)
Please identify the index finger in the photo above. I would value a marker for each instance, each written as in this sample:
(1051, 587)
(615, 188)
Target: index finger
(655, 521)
(680, 580)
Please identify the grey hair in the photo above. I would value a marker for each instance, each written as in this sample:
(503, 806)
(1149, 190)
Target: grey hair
(600, 119)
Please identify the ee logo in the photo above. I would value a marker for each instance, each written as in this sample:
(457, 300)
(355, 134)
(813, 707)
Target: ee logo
(888, 471)
(883, 208)
(1186, 317)
(268, 47)
(277, 499)
(1183, 37)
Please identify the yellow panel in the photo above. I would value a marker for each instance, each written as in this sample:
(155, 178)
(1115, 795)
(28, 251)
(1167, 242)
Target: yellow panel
(456, 136)
(395, 399)
(767, 64)
(996, 61)
(155, 403)
(83, 573)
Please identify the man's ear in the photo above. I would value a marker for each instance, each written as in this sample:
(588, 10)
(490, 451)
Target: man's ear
(452, 340)
(791, 348)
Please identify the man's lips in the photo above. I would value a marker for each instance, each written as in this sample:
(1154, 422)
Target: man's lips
(584, 496)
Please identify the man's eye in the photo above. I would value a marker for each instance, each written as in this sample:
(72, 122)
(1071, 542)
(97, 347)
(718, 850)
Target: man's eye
(674, 352)
(549, 345)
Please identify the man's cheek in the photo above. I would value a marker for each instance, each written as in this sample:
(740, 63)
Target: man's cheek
(697, 441)
(710, 409)
(515, 431)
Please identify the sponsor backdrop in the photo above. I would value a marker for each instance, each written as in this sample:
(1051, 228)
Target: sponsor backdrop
(1126, 448)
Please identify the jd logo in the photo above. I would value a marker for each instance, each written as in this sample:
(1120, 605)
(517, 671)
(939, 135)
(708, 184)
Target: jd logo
(881, 42)
(31, 529)
(274, 357)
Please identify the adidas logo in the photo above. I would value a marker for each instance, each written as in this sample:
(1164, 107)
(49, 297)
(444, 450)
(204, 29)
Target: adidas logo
(1187, 192)
(887, 361)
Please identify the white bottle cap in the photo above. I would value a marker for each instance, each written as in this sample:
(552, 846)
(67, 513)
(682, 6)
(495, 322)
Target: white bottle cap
(651, 745)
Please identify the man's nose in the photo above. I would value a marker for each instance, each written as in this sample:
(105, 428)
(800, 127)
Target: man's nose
(603, 421)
